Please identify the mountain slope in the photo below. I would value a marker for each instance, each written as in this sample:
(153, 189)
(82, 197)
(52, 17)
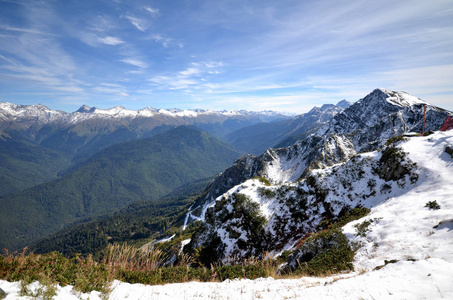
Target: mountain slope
(259, 137)
(397, 184)
(136, 224)
(112, 179)
(23, 165)
(364, 126)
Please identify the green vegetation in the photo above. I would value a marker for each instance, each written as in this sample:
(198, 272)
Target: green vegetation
(141, 170)
(84, 273)
(327, 251)
(393, 165)
(124, 263)
(267, 193)
(345, 216)
(245, 214)
(263, 180)
(24, 165)
(432, 205)
(137, 224)
(364, 227)
(393, 140)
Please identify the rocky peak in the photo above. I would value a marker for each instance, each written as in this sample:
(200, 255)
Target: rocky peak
(84, 109)
(344, 104)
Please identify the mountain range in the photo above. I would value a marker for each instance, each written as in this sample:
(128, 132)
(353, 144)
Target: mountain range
(102, 161)
(37, 143)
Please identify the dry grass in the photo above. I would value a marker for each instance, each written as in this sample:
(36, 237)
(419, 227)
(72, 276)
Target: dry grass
(129, 258)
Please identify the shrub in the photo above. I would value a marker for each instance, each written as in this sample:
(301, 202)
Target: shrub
(432, 205)
(393, 165)
(267, 193)
(325, 252)
(263, 180)
(364, 227)
(84, 273)
(395, 139)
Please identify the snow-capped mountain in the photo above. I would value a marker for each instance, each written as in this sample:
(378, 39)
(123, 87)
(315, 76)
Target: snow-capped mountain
(257, 138)
(40, 113)
(88, 130)
(364, 126)
(254, 216)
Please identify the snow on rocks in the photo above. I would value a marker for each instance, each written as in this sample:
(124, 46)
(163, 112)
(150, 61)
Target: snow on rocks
(404, 228)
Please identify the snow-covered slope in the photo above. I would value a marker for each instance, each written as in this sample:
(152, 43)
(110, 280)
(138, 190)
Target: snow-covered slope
(416, 241)
(363, 126)
(253, 217)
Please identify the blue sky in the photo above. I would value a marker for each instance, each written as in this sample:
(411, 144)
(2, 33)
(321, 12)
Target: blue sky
(256, 55)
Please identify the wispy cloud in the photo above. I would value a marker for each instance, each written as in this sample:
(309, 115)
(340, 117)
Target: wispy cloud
(102, 23)
(35, 54)
(193, 77)
(9, 60)
(26, 30)
(135, 62)
(151, 10)
(165, 41)
(140, 24)
(110, 88)
(110, 40)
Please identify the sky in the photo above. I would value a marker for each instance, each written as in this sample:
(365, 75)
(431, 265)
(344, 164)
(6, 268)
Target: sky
(287, 55)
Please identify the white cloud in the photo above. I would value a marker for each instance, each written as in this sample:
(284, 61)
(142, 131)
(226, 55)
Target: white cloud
(165, 41)
(114, 89)
(153, 11)
(138, 23)
(173, 83)
(26, 30)
(102, 23)
(9, 60)
(135, 62)
(110, 40)
(71, 89)
(190, 72)
(193, 77)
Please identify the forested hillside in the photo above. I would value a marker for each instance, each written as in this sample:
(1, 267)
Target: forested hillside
(141, 170)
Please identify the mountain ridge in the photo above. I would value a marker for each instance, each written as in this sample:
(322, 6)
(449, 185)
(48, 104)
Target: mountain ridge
(257, 138)
(363, 126)
(257, 216)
